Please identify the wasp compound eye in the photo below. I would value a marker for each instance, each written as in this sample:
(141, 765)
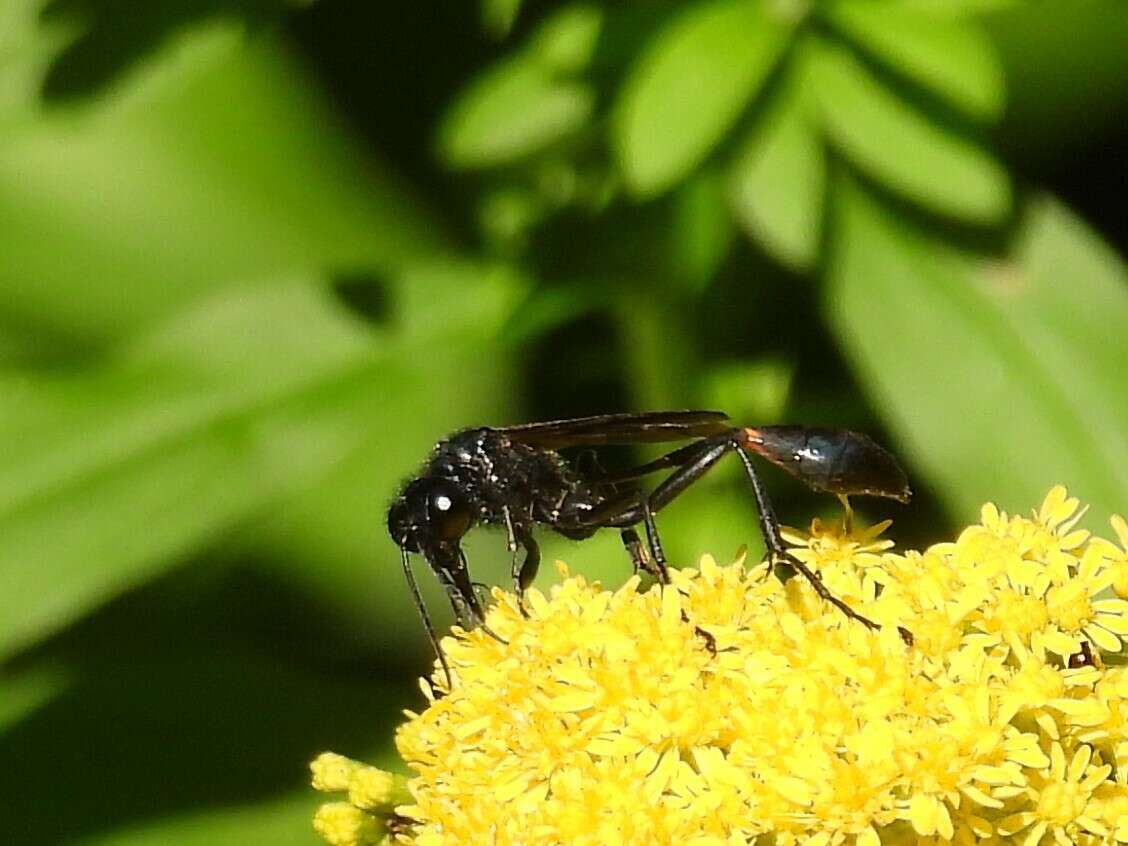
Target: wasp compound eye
(448, 513)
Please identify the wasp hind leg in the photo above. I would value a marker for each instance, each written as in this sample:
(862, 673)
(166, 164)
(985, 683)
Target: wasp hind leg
(777, 551)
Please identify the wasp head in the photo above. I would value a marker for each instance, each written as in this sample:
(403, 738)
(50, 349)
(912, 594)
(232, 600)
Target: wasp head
(431, 515)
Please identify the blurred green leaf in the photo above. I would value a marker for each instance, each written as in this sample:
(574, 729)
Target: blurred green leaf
(506, 215)
(498, 16)
(703, 229)
(959, 8)
(689, 86)
(445, 372)
(515, 109)
(1066, 74)
(997, 376)
(750, 390)
(658, 344)
(885, 137)
(952, 58)
(24, 691)
(1065, 293)
(255, 394)
(162, 192)
(565, 42)
(281, 822)
(103, 52)
(194, 725)
(127, 467)
(546, 308)
(779, 177)
(27, 46)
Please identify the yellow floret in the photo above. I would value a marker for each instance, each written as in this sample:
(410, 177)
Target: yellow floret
(342, 824)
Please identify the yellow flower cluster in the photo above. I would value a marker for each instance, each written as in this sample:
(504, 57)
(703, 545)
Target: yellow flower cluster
(611, 718)
(369, 814)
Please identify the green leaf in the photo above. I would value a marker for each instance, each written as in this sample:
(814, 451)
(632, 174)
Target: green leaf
(898, 146)
(703, 229)
(281, 822)
(447, 371)
(506, 216)
(515, 109)
(163, 192)
(25, 691)
(952, 58)
(566, 41)
(959, 8)
(28, 44)
(750, 390)
(779, 178)
(498, 16)
(1001, 378)
(248, 399)
(1065, 292)
(126, 467)
(549, 307)
(1066, 77)
(688, 88)
(234, 765)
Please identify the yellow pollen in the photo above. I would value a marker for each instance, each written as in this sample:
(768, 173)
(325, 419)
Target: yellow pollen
(1038, 683)
(1018, 613)
(1069, 606)
(1061, 803)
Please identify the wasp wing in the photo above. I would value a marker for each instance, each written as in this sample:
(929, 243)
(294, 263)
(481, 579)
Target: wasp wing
(630, 428)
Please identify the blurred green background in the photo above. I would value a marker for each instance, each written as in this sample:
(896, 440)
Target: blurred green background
(257, 256)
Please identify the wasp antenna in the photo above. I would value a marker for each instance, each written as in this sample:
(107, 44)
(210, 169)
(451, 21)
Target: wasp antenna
(421, 607)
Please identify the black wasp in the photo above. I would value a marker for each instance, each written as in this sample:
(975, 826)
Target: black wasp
(515, 478)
